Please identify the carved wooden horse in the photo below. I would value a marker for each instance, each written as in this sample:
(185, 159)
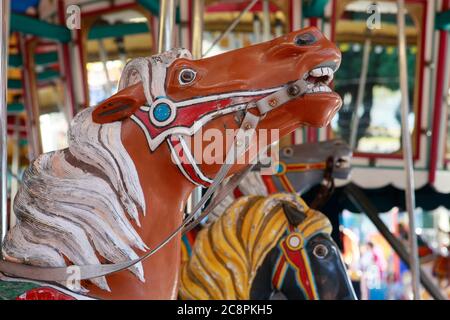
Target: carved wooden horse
(120, 188)
(301, 167)
(266, 245)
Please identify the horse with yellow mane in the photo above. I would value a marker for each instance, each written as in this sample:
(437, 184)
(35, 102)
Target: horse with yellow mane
(262, 246)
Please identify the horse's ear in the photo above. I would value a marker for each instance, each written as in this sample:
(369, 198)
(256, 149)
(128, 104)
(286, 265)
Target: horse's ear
(121, 105)
(293, 214)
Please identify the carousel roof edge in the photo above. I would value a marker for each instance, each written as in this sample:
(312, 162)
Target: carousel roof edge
(383, 198)
(372, 178)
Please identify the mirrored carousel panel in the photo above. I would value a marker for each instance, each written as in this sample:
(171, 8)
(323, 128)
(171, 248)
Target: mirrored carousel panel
(368, 40)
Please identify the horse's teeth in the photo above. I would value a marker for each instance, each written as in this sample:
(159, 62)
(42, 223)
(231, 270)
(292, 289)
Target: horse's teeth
(320, 88)
(316, 72)
(324, 71)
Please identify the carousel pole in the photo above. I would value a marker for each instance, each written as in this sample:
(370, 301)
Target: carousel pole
(15, 165)
(407, 151)
(103, 55)
(197, 28)
(166, 38)
(266, 20)
(197, 51)
(360, 96)
(231, 26)
(30, 96)
(4, 45)
(257, 28)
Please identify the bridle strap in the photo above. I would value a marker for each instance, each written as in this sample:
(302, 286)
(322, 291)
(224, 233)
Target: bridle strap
(238, 148)
(327, 186)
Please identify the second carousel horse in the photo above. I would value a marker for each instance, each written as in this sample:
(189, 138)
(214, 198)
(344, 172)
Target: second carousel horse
(262, 246)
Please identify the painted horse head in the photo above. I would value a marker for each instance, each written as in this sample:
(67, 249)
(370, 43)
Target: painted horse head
(303, 166)
(170, 96)
(115, 192)
(262, 246)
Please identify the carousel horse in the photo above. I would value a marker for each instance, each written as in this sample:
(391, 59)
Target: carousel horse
(266, 246)
(108, 210)
(308, 165)
(299, 168)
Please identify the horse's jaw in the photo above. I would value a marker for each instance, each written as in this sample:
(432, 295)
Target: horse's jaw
(166, 192)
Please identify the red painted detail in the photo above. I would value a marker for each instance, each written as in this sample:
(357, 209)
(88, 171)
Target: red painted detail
(438, 100)
(305, 166)
(296, 260)
(186, 116)
(237, 193)
(44, 293)
(441, 268)
(424, 251)
(314, 22)
(270, 185)
(278, 269)
(186, 163)
(191, 236)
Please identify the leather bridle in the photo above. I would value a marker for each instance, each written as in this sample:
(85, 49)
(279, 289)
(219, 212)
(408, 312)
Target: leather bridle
(240, 145)
(326, 187)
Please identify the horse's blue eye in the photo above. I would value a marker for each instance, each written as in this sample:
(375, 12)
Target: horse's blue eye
(305, 39)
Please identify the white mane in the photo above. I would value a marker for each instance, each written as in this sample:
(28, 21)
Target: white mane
(76, 203)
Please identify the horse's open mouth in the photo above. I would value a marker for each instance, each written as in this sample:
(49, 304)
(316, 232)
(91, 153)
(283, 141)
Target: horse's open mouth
(320, 77)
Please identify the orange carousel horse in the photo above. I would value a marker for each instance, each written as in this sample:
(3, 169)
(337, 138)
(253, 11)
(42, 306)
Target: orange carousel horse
(116, 195)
